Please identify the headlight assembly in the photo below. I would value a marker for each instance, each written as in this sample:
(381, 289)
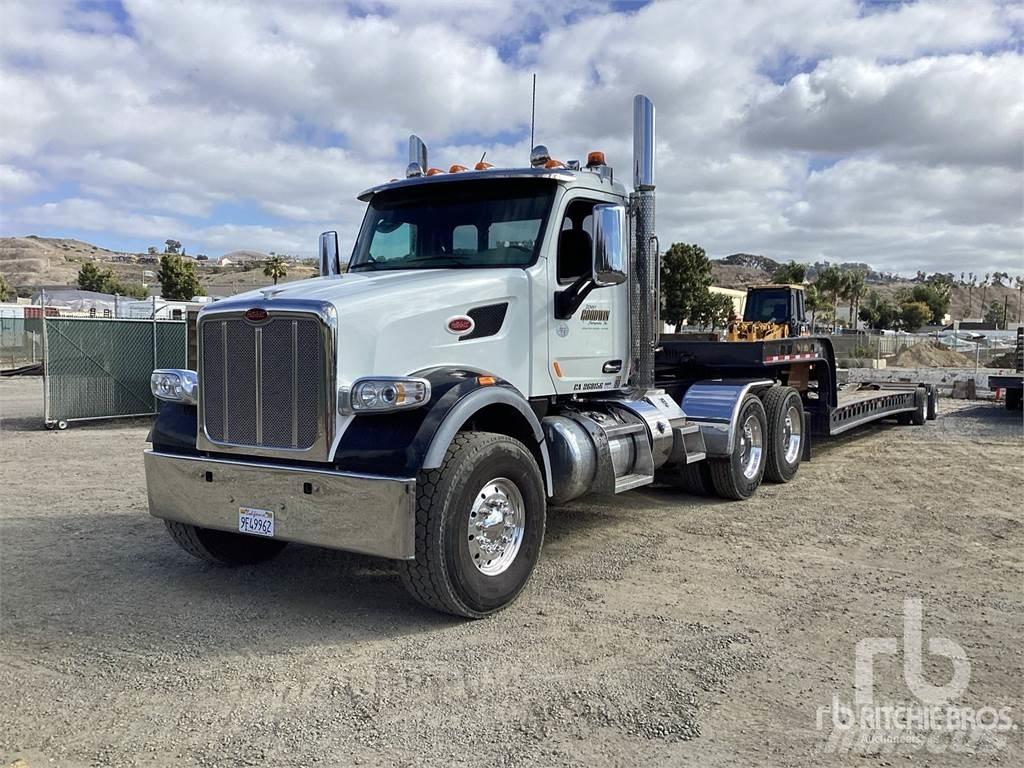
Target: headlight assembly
(383, 393)
(175, 385)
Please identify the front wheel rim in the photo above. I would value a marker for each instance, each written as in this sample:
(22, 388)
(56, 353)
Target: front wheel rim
(497, 521)
(791, 434)
(751, 446)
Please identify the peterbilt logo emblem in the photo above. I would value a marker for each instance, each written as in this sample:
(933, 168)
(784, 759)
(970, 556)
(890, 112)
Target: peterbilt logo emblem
(460, 324)
(256, 315)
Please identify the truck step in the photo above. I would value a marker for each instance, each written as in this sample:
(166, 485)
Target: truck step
(627, 482)
(619, 430)
(688, 444)
(687, 428)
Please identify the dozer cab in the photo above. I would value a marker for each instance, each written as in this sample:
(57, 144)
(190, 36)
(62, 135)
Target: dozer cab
(771, 312)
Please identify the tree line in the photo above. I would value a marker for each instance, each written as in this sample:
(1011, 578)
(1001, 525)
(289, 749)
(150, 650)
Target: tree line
(687, 298)
(176, 275)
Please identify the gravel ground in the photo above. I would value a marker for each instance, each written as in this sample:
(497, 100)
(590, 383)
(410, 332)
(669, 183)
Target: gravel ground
(659, 628)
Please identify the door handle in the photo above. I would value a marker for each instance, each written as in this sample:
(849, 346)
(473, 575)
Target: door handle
(612, 366)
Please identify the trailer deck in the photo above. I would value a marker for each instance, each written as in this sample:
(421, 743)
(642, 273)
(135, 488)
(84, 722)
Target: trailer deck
(805, 362)
(870, 402)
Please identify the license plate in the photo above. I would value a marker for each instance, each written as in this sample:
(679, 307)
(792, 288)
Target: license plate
(256, 522)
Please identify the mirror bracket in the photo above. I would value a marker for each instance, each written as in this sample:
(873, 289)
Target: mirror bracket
(569, 300)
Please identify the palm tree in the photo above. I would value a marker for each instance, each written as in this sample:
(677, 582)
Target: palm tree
(814, 302)
(855, 283)
(275, 268)
(984, 290)
(832, 283)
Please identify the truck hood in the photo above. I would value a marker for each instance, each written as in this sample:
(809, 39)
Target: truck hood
(395, 323)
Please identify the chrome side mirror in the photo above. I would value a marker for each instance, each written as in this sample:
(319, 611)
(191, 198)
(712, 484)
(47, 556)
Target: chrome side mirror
(330, 258)
(610, 256)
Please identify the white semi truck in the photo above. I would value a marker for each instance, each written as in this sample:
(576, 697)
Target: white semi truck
(493, 347)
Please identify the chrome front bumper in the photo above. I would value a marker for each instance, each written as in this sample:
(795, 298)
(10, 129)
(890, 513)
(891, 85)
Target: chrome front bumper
(338, 510)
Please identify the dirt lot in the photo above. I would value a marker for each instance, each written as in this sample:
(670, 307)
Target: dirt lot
(659, 629)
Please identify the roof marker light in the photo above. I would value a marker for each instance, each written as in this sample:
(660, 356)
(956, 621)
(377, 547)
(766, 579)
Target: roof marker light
(482, 166)
(456, 168)
(434, 172)
(595, 158)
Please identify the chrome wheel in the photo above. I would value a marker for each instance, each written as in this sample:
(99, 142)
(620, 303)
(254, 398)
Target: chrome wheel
(751, 446)
(496, 524)
(791, 436)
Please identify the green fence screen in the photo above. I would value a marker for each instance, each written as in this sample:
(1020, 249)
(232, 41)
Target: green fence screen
(97, 368)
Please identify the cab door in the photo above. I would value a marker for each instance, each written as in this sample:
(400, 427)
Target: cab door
(589, 351)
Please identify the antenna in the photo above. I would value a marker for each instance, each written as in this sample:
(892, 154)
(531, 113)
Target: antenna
(533, 109)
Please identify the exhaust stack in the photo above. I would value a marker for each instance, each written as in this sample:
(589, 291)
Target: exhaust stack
(645, 293)
(417, 157)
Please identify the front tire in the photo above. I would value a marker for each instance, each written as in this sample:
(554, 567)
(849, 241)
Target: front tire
(223, 547)
(738, 476)
(480, 523)
(785, 413)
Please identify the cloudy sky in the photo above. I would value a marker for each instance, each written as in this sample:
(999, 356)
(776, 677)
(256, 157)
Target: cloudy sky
(889, 132)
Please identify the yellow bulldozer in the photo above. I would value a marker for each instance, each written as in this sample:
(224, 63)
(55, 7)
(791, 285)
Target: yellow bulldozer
(771, 312)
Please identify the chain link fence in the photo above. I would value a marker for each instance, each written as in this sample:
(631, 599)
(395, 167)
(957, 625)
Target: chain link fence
(980, 350)
(21, 341)
(100, 369)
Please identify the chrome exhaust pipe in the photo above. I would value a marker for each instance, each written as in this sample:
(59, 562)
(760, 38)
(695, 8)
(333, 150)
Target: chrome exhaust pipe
(645, 290)
(417, 157)
(643, 143)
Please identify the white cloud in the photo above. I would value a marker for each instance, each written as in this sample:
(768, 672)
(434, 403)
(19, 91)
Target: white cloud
(253, 125)
(15, 182)
(954, 109)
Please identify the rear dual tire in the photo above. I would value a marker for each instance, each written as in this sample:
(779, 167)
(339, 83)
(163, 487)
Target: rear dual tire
(738, 475)
(919, 415)
(786, 433)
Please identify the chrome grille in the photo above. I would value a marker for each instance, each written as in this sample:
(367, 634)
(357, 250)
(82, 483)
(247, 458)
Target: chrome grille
(262, 385)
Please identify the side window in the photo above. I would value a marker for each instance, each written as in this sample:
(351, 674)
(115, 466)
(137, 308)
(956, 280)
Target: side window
(575, 241)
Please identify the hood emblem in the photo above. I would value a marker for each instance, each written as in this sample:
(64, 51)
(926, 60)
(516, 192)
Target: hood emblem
(460, 324)
(256, 315)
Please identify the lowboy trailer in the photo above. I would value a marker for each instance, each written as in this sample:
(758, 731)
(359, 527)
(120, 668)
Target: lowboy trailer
(493, 347)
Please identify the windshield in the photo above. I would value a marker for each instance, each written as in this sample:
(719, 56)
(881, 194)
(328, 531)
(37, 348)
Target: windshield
(487, 223)
(768, 305)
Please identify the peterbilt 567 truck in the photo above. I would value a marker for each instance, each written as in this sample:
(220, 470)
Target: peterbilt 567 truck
(493, 347)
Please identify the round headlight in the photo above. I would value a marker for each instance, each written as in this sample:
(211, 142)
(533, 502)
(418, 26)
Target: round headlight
(367, 395)
(389, 394)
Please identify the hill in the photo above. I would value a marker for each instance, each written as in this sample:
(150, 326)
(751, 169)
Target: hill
(31, 262)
